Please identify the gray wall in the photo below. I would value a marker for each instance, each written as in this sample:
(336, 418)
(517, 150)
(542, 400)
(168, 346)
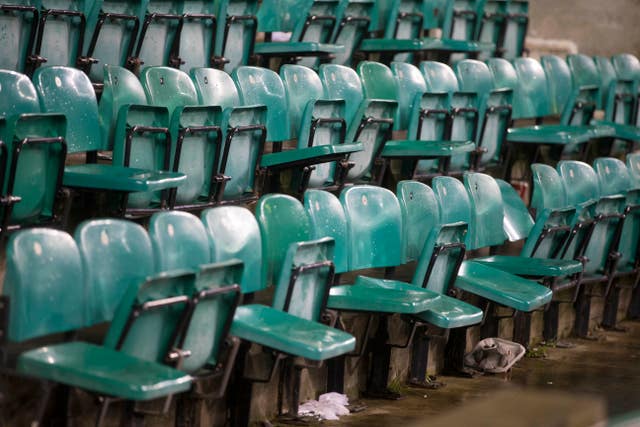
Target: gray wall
(599, 27)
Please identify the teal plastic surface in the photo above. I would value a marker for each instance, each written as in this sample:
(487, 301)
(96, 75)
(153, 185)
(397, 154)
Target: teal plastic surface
(517, 222)
(235, 38)
(487, 214)
(44, 282)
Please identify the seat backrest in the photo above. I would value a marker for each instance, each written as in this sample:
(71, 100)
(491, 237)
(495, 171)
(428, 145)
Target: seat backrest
(452, 199)
(116, 255)
(517, 222)
(274, 15)
(282, 222)
(168, 87)
(466, 17)
(504, 76)
(285, 227)
(44, 283)
(531, 94)
(302, 85)
(342, 82)
(374, 224)
(264, 87)
(559, 82)
(633, 166)
(112, 41)
(580, 181)
(377, 81)
(233, 233)
(237, 26)
(327, 219)
(69, 91)
(613, 176)
(20, 22)
(215, 87)
(411, 87)
(474, 76)
(487, 211)
(548, 189)
(608, 78)
(491, 21)
(179, 241)
(121, 87)
(627, 66)
(353, 21)
(420, 215)
(439, 77)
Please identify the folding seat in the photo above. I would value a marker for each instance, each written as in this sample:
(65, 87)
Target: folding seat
(491, 26)
(311, 24)
(478, 202)
(315, 121)
(60, 36)
(516, 27)
(276, 251)
(69, 91)
(197, 36)
(32, 157)
(264, 87)
(243, 130)
(379, 83)
(463, 110)
(20, 20)
(627, 69)
(462, 22)
(197, 149)
(129, 365)
(235, 37)
(159, 36)
(614, 179)
(494, 112)
(353, 22)
(403, 39)
(618, 112)
(531, 100)
(633, 168)
(111, 35)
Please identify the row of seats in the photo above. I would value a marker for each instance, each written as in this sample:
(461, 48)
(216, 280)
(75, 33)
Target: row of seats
(206, 134)
(368, 227)
(576, 240)
(195, 33)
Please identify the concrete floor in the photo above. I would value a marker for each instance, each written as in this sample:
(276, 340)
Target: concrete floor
(599, 378)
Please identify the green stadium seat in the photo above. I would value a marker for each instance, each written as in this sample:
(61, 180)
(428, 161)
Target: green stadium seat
(494, 112)
(69, 91)
(60, 35)
(32, 156)
(197, 148)
(315, 121)
(264, 87)
(197, 36)
(111, 34)
(236, 38)
(353, 21)
(311, 24)
(243, 130)
(159, 34)
(515, 31)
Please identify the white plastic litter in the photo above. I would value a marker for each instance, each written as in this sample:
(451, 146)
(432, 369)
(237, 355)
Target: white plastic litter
(494, 355)
(329, 406)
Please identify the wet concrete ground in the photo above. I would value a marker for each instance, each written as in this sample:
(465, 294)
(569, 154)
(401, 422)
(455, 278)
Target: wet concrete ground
(606, 369)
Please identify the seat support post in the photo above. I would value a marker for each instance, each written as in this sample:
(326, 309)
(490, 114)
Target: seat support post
(522, 328)
(380, 361)
(551, 319)
(419, 357)
(335, 374)
(610, 310)
(583, 313)
(633, 312)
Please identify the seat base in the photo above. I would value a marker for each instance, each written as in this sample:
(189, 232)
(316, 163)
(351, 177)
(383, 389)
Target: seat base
(533, 267)
(103, 370)
(309, 156)
(119, 178)
(296, 48)
(425, 149)
(289, 334)
(502, 287)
